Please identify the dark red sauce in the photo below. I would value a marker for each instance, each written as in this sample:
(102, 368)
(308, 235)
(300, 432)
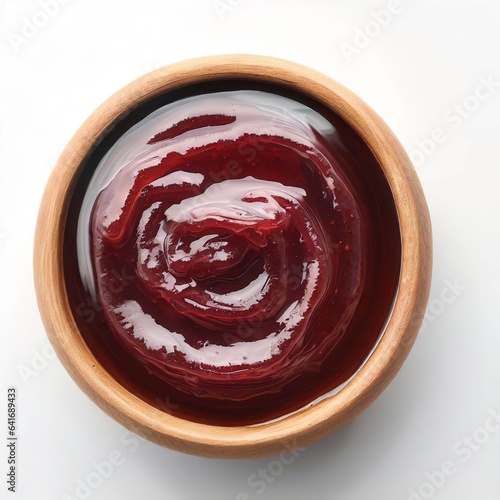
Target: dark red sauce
(237, 256)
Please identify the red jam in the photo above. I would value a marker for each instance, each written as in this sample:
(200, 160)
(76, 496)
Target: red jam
(238, 256)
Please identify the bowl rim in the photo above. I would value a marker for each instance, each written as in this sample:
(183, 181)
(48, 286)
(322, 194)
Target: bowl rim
(301, 427)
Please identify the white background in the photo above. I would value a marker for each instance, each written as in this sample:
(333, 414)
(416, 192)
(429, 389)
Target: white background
(430, 57)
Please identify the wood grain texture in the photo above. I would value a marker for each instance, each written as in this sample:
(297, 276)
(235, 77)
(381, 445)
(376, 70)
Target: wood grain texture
(307, 425)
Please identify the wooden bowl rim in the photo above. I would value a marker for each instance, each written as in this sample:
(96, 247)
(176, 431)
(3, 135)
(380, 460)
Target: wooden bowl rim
(306, 425)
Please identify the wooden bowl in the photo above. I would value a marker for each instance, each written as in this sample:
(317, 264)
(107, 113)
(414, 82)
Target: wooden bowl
(304, 426)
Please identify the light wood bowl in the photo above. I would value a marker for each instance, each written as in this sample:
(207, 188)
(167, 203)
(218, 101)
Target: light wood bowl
(307, 425)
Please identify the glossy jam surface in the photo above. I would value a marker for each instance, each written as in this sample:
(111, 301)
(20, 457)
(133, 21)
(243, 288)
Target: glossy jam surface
(237, 256)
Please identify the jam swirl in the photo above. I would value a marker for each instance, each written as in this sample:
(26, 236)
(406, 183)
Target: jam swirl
(243, 250)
